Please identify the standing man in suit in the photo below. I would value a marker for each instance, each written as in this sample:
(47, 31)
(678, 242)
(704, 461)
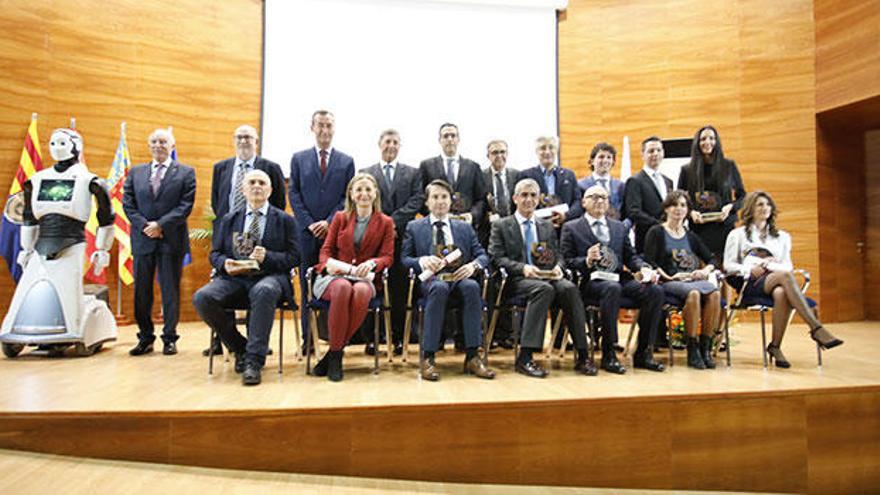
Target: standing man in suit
(513, 238)
(226, 183)
(419, 247)
(274, 233)
(318, 179)
(646, 191)
(602, 159)
(558, 184)
(461, 174)
(401, 191)
(596, 243)
(158, 198)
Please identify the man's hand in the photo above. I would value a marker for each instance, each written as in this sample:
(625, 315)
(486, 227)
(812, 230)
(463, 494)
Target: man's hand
(530, 271)
(259, 254)
(232, 269)
(153, 230)
(696, 217)
(319, 229)
(464, 271)
(431, 263)
(364, 268)
(594, 254)
(557, 272)
(725, 211)
(493, 217)
(558, 218)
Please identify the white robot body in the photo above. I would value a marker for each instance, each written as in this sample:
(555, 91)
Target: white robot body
(73, 183)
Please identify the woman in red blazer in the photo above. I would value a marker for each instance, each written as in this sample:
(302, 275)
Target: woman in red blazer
(363, 237)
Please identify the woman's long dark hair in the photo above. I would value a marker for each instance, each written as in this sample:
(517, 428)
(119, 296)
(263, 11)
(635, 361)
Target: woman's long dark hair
(720, 168)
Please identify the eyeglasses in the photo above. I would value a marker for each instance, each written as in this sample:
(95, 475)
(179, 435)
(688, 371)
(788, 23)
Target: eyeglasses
(498, 152)
(245, 137)
(598, 197)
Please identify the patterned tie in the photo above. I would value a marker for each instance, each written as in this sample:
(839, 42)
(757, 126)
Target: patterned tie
(323, 154)
(239, 193)
(156, 179)
(388, 174)
(254, 228)
(450, 174)
(530, 239)
(502, 202)
(599, 230)
(440, 235)
(658, 183)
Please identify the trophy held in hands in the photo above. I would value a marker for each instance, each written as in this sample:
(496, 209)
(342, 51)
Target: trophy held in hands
(242, 247)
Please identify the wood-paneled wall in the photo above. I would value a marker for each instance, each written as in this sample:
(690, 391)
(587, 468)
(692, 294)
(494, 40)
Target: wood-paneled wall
(653, 67)
(872, 241)
(847, 51)
(187, 64)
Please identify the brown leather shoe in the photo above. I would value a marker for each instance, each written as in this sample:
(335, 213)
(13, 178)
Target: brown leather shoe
(476, 366)
(429, 371)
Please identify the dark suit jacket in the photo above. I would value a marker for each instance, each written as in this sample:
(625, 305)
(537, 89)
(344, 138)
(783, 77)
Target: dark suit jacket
(507, 246)
(468, 182)
(577, 238)
(221, 184)
(567, 189)
(511, 176)
(734, 191)
(170, 207)
(643, 205)
(418, 242)
(377, 243)
(617, 191)
(279, 238)
(402, 199)
(313, 197)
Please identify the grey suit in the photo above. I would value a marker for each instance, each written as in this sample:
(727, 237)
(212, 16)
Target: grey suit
(506, 248)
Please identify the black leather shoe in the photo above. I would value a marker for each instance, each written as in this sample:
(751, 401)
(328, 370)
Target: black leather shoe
(646, 362)
(141, 348)
(370, 349)
(612, 365)
(506, 344)
(218, 350)
(320, 369)
(239, 362)
(586, 368)
(532, 369)
(251, 374)
(169, 348)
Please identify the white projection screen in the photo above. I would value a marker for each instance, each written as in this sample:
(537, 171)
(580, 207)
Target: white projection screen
(488, 66)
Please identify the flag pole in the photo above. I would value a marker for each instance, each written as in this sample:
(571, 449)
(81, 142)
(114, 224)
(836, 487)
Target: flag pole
(119, 256)
(73, 123)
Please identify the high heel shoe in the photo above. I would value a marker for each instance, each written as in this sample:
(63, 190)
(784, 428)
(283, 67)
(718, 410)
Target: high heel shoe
(824, 338)
(776, 355)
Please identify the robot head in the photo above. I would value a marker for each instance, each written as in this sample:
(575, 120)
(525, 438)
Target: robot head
(65, 144)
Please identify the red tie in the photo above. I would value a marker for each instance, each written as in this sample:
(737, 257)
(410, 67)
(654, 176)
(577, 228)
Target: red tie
(323, 163)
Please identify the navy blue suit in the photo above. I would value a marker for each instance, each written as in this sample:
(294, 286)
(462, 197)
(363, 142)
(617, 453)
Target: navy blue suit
(261, 291)
(221, 185)
(313, 198)
(418, 242)
(170, 207)
(577, 238)
(615, 196)
(567, 189)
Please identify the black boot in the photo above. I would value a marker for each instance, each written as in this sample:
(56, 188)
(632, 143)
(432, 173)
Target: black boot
(694, 358)
(706, 351)
(334, 366)
(320, 369)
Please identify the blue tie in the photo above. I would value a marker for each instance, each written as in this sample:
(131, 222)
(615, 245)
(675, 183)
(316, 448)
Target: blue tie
(530, 239)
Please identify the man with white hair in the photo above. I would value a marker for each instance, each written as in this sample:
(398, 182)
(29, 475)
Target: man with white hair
(158, 198)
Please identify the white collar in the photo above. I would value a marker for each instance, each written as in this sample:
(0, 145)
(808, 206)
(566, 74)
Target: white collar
(591, 219)
(263, 209)
(520, 219)
(433, 219)
(167, 163)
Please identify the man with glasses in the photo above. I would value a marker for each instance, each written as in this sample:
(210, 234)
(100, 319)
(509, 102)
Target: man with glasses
(558, 184)
(598, 247)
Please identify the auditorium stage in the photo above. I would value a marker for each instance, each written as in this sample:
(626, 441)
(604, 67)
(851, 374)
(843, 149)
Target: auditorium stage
(805, 429)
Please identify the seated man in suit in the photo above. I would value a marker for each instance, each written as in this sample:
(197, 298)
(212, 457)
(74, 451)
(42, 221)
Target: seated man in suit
(645, 191)
(558, 184)
(266, 235)
(463, 175)
(401, 192)
(517, 245)
(226, 191)
(602, 159)
(423, 239)
(598, 247)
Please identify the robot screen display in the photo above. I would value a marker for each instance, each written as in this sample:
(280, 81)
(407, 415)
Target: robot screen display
(56, 190)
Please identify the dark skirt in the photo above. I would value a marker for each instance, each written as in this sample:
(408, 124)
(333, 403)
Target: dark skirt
(682, 289)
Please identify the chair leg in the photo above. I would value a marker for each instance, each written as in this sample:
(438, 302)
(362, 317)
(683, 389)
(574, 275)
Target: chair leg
(516, 328)
(629, 336)
(407, 331)
(311, 340)
(727, 316)
(591, 348)
(763, 339)
(554, 330)
(211, 351)
(281, 341)
(490, 333)
(297, 334)
(376, 341)
(389, 344)
(556, 326)
(421, 323)
(669, 338)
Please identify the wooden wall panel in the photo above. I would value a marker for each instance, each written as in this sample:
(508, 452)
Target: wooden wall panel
(184, 65)
(847, 51)
(652, 67)
(872, 229)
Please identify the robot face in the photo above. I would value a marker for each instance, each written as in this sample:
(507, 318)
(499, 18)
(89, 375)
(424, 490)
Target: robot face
(65, 144)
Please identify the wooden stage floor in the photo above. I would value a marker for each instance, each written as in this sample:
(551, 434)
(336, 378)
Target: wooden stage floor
(113, 381)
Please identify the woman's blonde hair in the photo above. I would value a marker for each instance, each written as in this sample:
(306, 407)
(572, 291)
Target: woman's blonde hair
(377, 201)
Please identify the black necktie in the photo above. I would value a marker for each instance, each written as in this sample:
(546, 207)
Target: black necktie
(502, 202)
(440, 235)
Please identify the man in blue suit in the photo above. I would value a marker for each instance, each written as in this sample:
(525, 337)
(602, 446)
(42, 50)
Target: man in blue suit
(602, 159)
(598, 247)
(318, 179)
(158, 199)
(557, 184)
(418, 253)
(274, 232)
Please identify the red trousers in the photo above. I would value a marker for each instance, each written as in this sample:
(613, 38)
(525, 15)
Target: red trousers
(349, 302)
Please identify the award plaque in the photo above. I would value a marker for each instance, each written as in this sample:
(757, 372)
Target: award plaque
(459, 206)
(549, 200)
(442, 251)
(545, 259)
(242, 247)
(607, 266)
(709, 205)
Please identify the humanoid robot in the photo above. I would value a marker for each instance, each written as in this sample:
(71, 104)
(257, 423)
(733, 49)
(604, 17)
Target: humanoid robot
(49, 308)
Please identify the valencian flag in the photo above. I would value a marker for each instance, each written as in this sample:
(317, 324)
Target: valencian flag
(10, 232)
(122, 227)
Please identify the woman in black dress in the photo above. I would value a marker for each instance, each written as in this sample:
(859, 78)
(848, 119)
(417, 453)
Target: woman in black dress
(715, 189)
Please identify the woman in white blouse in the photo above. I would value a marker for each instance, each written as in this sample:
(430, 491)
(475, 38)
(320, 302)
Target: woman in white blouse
(761, 253)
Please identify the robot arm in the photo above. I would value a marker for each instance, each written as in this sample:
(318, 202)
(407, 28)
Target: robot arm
(103, 243)
(29, 236)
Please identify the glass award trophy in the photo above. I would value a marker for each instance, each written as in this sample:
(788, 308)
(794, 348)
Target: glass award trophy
(443, 251)
(545, 259)
(606, 267)
(242, 247)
